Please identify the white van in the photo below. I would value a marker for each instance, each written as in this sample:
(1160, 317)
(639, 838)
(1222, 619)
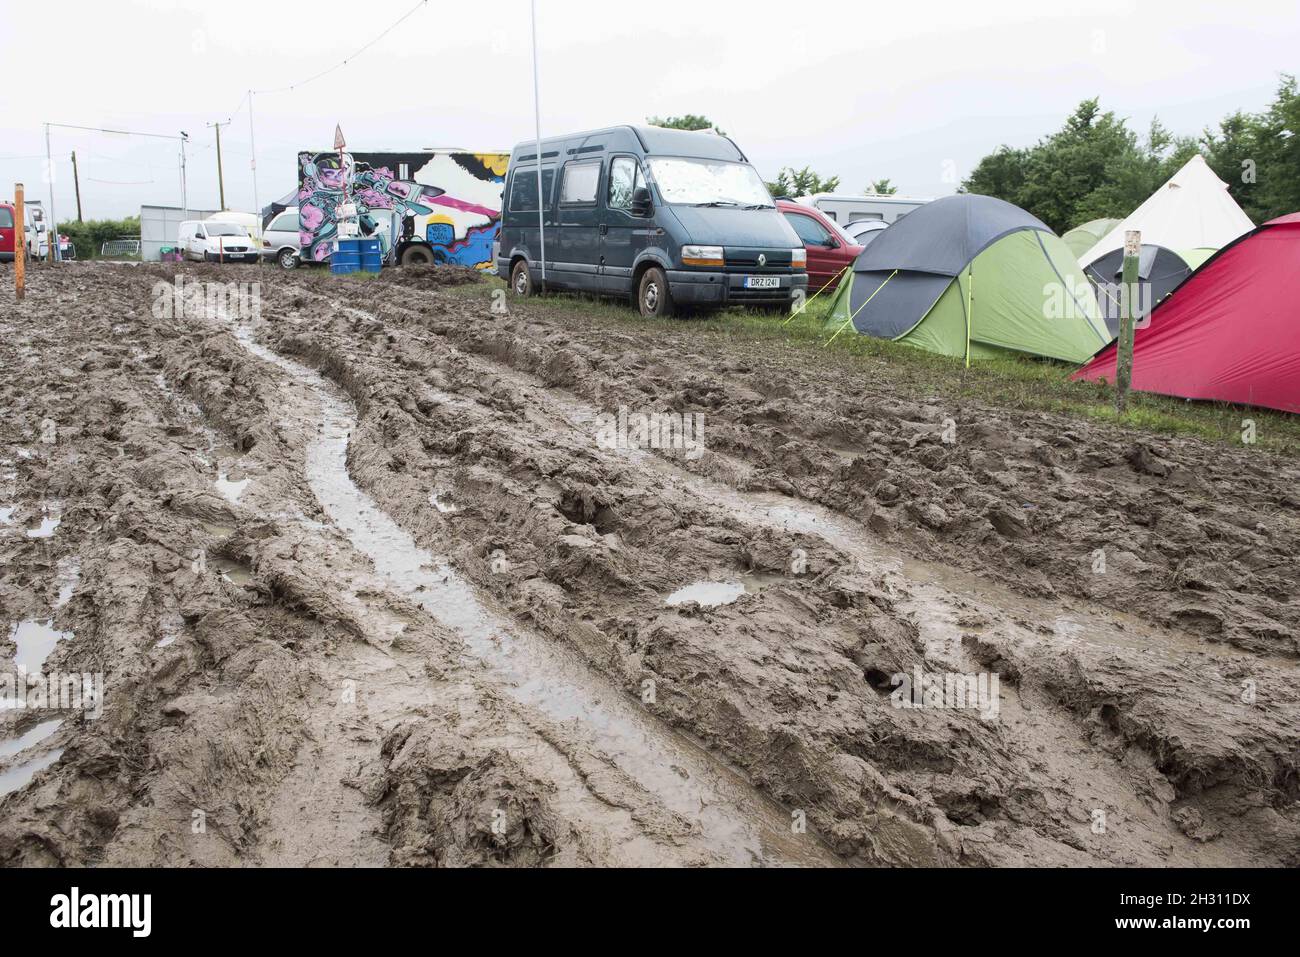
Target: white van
(212, 242)
(846, 208)
(280, 239)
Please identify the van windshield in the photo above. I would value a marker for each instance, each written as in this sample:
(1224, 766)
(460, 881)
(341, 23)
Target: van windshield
(224, 229)
(700, 182)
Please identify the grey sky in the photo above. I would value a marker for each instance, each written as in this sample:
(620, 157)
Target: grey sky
(916, 92)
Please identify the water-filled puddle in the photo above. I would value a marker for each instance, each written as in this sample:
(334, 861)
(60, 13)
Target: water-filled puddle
(234, 572)
(11, 779)
(51, 518)
(711, 593)
(7, 514)
(230, 488)
(33, 736)
(35, 641)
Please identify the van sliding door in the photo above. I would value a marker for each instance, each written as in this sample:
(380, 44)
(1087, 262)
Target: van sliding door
(578, 257)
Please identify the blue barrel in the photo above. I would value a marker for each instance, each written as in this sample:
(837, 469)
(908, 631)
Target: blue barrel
(372, 255)
(346, 257)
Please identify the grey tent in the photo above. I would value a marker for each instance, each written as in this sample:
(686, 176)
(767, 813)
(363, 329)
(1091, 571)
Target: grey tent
(1160, 272)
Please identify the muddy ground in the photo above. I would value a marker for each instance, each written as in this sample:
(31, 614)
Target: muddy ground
(366, 586)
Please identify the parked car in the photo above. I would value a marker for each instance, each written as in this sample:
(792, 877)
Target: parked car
(280, 240)
(212, 241)
(829, 248)
(35, 230)
(863, 231)
(8, 223)
(666, 217)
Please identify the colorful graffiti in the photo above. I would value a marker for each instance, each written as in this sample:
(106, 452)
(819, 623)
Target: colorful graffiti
(451, 200)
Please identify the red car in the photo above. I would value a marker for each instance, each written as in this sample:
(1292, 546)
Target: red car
(6, 233)
(829, 248)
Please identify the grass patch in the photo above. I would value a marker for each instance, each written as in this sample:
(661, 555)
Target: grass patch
(1028, 383)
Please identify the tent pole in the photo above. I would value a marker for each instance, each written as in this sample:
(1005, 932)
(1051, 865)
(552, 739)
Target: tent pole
(970, 304)
(838, 275)
(855, 312)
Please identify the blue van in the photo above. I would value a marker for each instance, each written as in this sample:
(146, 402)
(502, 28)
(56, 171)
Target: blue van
(667, 217)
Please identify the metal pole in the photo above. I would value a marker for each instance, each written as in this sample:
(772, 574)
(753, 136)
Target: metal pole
(1128, 295)
(252, 163)
(54, 220)
(185, 195)
(537, 117)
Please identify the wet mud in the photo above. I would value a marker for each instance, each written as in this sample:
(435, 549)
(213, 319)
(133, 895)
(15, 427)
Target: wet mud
(366, 586)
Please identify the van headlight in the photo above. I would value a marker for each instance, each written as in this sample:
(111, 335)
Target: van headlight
(799, 258)
(702, 256)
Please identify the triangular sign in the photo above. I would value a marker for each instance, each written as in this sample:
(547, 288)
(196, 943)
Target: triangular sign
(338, 138)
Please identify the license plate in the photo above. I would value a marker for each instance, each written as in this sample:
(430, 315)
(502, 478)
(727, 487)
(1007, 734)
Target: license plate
(762, 282)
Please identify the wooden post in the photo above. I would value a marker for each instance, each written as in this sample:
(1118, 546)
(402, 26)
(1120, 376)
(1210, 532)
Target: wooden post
(20, 243)
(1129, 302)
(76, 183)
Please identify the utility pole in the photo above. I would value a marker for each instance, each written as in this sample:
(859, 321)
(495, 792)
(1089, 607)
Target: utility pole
(76, 183)
(221, 182)
(20, 243)
(1128, 301)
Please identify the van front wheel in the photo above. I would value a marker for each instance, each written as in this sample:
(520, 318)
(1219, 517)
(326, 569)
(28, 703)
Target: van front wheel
(521, 279)
(653, 297)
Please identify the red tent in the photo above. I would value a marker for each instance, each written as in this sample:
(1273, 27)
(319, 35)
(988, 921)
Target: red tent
(1230, 332)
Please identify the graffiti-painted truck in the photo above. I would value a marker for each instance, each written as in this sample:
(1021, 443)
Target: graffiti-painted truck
(431, 206)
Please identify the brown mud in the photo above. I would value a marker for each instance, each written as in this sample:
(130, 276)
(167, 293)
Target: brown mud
(365, 588)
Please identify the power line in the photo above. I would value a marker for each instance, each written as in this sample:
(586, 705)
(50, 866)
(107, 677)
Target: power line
(293, 86)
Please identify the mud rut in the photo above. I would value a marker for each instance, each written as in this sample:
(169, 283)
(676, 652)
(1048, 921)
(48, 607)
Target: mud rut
(441, 605)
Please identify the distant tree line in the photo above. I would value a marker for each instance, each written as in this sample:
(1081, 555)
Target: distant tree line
(1095, 166)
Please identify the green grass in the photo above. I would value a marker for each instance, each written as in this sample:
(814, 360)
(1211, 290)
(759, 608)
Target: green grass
(1016, 383)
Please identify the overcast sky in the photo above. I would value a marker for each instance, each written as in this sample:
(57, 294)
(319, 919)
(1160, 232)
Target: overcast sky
(916, 92)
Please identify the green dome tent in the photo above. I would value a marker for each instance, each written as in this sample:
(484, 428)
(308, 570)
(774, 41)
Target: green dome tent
(1082, 238)
(972, 276)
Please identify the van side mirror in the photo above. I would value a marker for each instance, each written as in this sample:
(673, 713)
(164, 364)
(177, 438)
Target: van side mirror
(641, 203)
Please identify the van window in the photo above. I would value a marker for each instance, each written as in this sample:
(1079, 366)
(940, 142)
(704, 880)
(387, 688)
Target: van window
(581, 180)
(523, 190)
(625, 178)
(285, 222)
(811, 232)
(6, 218)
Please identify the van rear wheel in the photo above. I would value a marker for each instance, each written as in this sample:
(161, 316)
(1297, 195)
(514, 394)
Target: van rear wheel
(653, 297)
(521, 279)
(417, 256)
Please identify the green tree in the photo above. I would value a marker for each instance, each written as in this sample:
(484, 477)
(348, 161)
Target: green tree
(881, 187)
(1095, 166)
(690, 121)
(803, 182)
(1258, 155)
(90, 235)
